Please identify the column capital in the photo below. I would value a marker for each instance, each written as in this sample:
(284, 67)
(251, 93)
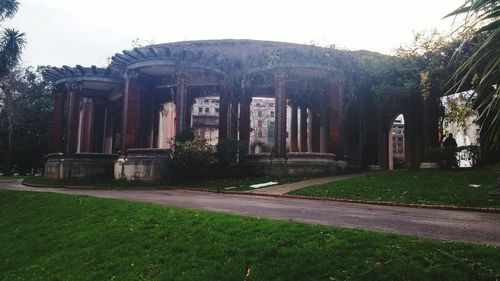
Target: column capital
(73, 86)
(131, 74)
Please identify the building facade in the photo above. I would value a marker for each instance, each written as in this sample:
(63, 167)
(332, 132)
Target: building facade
(294, 101)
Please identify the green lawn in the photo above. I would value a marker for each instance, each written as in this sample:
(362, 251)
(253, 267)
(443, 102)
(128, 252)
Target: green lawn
(12, 177)
(449, 187)
(62, 237)
(234, 184)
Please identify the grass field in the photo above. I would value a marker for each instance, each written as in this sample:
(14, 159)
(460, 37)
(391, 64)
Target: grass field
(448, 187)
(61, 237)
(235, 184)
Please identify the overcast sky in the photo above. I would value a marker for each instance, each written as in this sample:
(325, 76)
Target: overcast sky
(88, 32)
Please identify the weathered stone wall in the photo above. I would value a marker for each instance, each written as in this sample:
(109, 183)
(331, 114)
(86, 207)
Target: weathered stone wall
(296, 164)
(79, 165)
(143, 164)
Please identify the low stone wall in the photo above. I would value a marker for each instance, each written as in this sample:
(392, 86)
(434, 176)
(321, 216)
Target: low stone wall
(295, 164)
(143, 164)
(79, 165)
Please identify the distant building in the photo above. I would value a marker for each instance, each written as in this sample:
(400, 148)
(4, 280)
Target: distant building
(262, 125)
(205, 118)
(465, 134)
(398, 141)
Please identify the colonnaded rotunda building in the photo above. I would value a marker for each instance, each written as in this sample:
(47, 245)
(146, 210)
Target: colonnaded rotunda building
(117, 121)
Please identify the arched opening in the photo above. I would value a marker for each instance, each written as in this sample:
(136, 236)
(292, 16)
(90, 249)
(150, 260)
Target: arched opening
(396, 142)
(262, 123)
(205, 118)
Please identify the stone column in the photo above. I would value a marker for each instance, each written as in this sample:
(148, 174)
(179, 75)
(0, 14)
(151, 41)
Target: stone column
(309, 130)
(131, 113)
(73, 117)
(233, 115)
(224, 102)
(87, 122)
(315, 132)
(99, 129)
(303, 128)
(322, 128)
(246, 99)
(150, 113)
(181, 105)
(56, 129)
(108, 128)
(294, 147)
(280, 116)
(336, 118)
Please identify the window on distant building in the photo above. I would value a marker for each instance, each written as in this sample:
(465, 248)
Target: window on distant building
(207, 110)
(271, 113)
(200, 109)
(259, 134)
(259, 124)
(259, 113)
(216, 110)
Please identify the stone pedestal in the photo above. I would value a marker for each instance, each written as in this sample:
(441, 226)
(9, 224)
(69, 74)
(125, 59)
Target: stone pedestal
(429, 165)
(143, 164)
(295, 164)
(374, 167)
(79, 165)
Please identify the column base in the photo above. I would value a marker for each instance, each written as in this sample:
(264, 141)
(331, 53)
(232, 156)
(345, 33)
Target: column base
(429, 165)
(79, 165)
(143, 164)
(296, 164)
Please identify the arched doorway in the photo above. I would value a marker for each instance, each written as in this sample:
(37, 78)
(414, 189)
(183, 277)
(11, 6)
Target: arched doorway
(396, 142)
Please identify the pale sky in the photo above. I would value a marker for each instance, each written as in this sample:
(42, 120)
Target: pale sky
(87, 32)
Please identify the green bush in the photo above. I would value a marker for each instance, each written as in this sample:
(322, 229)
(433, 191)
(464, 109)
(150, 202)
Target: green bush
(229, 153)
(192, 157)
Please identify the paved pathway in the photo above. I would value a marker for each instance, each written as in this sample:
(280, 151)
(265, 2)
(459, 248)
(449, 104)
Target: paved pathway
(436, 224)
(285, 188)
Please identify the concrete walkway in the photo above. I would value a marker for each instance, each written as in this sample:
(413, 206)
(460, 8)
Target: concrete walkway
(285, 188)
(436, 224)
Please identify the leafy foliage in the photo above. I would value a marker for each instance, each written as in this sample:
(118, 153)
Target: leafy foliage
(8, 8)
(192, 156)
(25, 110)
(229, 153)
(11, 41)
(460, 111)
(481, 69)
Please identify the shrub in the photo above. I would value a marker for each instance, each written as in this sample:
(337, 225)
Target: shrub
(229, 153)
(192, 157)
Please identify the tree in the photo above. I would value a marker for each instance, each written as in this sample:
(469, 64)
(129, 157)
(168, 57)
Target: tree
(11, 41)
(481, 68)
(8, 8)
(25, 106)
(11, 45)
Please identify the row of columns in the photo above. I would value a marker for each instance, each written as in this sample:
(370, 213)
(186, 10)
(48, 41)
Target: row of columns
(238, 98)
(79, 124)
(73, 127)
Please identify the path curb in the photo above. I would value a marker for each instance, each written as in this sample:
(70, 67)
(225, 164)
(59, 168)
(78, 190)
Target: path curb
(96, 187)
(368, 202)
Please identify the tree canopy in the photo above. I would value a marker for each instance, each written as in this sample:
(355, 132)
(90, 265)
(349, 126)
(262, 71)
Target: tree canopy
(481, 70)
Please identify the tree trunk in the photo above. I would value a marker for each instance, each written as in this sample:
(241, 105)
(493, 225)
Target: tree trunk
(8, 156)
